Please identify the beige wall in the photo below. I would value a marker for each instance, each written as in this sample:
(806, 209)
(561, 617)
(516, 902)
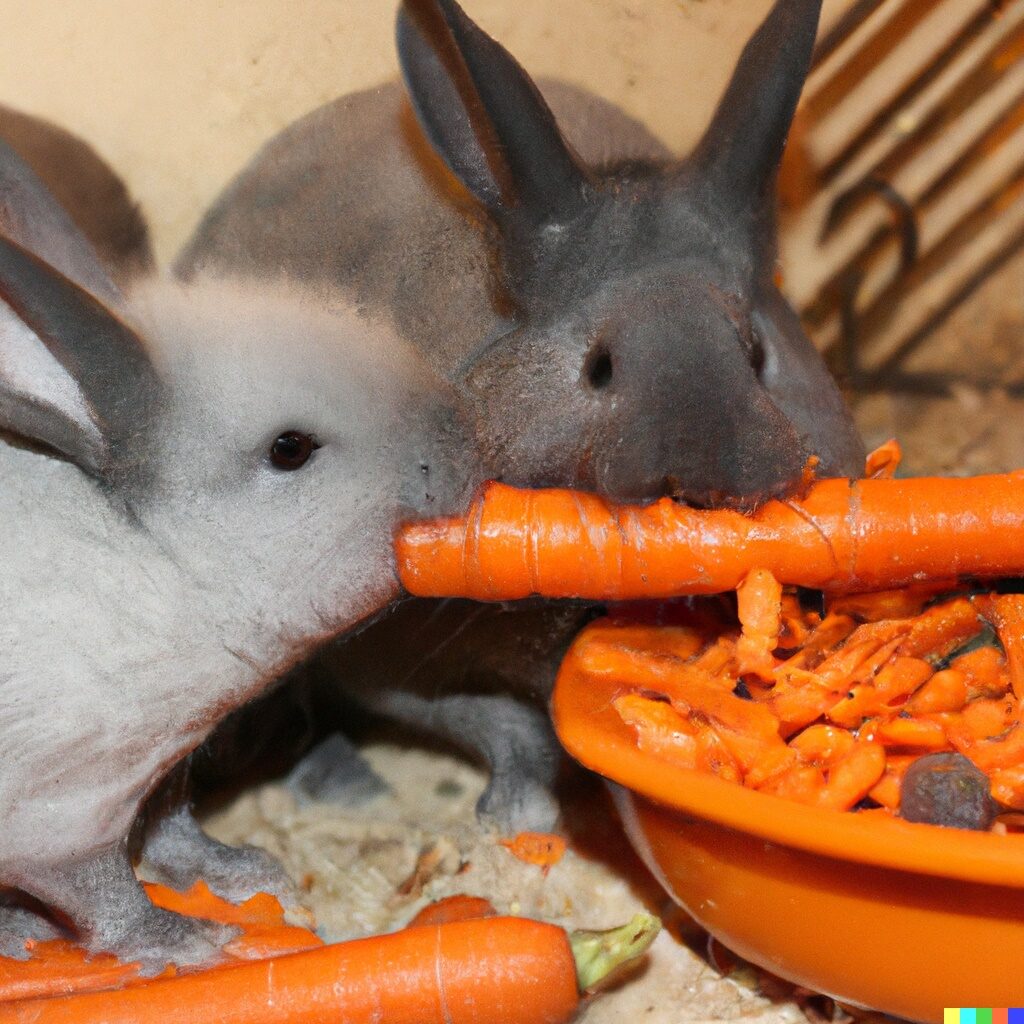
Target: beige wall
(177, 95)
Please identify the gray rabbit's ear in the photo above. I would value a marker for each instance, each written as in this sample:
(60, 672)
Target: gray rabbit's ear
(741, 150)
(73, 376)
(485, 117)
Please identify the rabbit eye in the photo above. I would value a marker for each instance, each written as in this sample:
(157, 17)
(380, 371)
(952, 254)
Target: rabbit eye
(292, 450)
(598, 369)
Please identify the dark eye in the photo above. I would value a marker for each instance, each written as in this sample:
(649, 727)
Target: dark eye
(598, 369)
(292, 450)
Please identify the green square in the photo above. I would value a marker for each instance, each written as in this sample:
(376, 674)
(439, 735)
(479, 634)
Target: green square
(983, 1016)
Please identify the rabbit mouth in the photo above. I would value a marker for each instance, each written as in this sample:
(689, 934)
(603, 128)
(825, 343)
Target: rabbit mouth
(709, 499)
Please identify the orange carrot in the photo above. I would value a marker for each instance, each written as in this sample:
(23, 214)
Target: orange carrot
(454, 908)
(540, 848)
(466, 972)
(944, 691)
(984, 672)
(1006, 613)
(883, 462)
(843, 535)
(662, 730)
(759, 605)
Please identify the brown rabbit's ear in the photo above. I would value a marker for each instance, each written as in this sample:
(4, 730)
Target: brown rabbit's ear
(73, 376)
(740, 152)
(32, 217)
(485, 117)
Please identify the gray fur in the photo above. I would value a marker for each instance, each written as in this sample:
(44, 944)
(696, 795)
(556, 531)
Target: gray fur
(141, 606)
(612, 313)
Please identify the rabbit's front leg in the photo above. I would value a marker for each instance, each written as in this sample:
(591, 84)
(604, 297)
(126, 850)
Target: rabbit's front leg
(20, 925)
(179, 853)
(102, 899)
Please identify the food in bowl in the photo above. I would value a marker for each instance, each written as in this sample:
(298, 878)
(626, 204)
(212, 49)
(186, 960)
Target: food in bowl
(847, 707)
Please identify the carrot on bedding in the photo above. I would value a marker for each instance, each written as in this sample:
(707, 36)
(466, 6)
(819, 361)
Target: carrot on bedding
(470, 971)
(459, 907)
(540, 848)
(844, 534)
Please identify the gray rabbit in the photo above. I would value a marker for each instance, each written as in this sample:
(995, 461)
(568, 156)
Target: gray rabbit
(611, 312)
(201, 483)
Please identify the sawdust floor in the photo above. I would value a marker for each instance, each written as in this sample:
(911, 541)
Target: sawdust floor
(369, 869)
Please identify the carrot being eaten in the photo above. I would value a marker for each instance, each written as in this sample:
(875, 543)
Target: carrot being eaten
(842, 535)
(470, 971)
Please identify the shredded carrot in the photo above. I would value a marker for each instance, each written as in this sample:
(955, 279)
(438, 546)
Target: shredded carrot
(759, 604)
(540, 848)
(58, 967)
(1006, 613)
(843, 535)
(837, 722)
(883, 462)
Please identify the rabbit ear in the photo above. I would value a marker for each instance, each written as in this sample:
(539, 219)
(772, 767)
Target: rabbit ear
(32, 217)
(741, 150)
(485, 117)
(73, 376)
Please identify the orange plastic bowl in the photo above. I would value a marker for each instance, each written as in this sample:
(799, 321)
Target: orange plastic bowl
(879, 913)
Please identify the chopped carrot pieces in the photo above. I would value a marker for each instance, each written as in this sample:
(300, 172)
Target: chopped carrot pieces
(836, 720)
(900, 678)
(882, 463)
(1006, 613)
(540, 848)
(944, 691)
(985, 672)
(759, 605)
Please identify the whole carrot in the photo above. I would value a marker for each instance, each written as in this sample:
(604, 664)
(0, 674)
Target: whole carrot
(843, 535)
(487, 971)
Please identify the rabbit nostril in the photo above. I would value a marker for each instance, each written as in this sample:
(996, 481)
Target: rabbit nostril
(756, 353)
(598, 369)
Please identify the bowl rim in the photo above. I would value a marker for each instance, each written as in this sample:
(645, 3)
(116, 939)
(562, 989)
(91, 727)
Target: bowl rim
(593, 733)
